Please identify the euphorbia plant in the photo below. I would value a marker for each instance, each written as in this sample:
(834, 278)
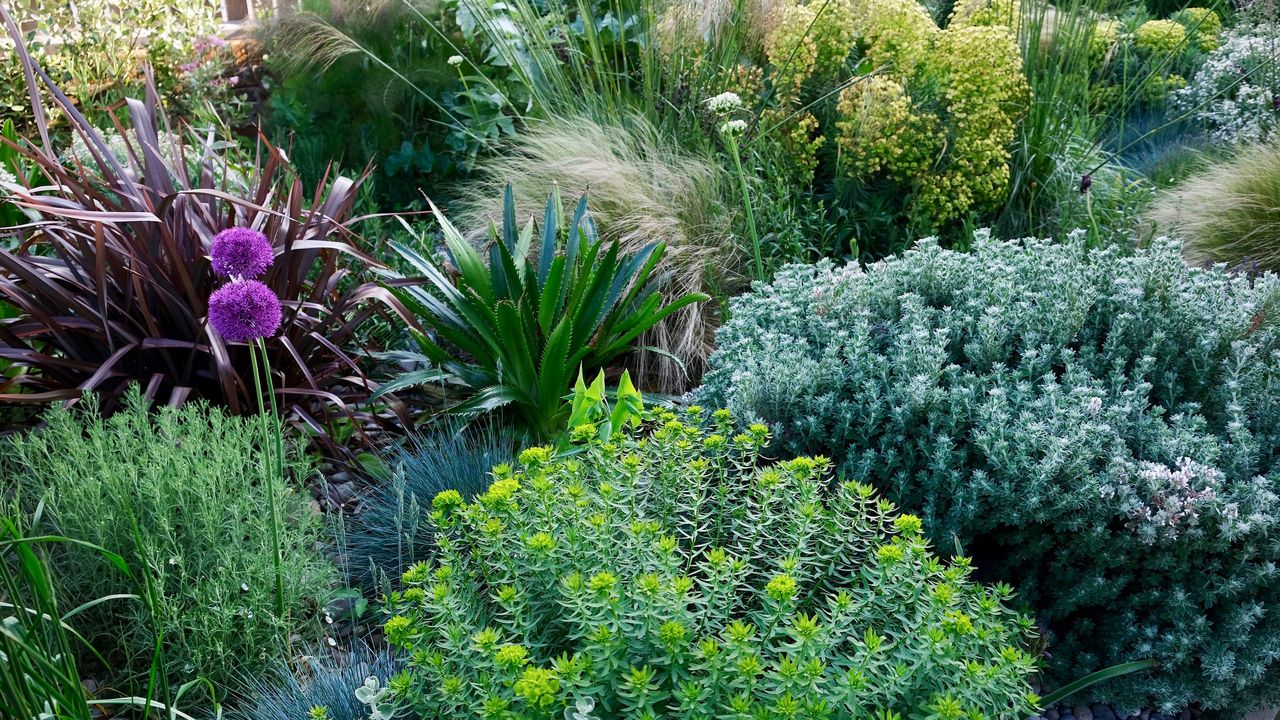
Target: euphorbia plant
(517, 330)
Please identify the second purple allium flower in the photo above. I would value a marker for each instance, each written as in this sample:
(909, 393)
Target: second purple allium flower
(241, 252)
(244, 310)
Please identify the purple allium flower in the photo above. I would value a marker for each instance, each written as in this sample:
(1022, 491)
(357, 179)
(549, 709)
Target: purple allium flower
(241, 253)
(1086, 182)
(244, 310)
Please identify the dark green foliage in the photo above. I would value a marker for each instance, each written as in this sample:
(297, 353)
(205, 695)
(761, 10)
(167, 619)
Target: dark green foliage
(667, 574)
(517, 331)
(1100, 429)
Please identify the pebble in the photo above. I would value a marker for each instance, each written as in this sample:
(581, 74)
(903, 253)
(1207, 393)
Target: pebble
(1082, 712)
(1067, 715)
(344, 491)
(1103, 712)
(1051, 714)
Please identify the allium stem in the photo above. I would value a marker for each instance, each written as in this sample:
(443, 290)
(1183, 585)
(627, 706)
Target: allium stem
(274, 468)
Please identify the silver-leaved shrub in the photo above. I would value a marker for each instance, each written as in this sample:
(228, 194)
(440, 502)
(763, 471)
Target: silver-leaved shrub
(1100, 428)
(668, 574)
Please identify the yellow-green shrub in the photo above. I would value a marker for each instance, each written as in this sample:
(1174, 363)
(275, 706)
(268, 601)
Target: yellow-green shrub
(790, 49)
(1160, 37)
(985, 12)
(895, 35)
(1106, 34)
(882, 131)
(1203, 27)
(935, 116)
(955, 158)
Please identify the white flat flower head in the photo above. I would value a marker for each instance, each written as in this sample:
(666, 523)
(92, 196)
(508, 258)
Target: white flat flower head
(725, 102)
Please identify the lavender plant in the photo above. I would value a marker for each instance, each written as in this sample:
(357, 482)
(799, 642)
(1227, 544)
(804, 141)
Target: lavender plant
(1100, 428)
(666, 573)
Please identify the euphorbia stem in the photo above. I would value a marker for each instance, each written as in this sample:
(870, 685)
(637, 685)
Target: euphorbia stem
(274, 468)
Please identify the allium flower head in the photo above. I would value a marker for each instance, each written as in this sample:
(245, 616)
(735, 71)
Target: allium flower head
(241, 253)
(454, 60)
(244, 310)
(734, 127)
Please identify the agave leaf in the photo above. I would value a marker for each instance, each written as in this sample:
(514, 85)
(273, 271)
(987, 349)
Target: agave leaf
(550, 239)
(518, 355)
(472, 268)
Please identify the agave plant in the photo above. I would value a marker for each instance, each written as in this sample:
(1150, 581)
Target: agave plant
(517, 331)
(111, 282)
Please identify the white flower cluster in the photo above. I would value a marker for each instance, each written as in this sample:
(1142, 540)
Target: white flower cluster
(1170, 501)
(725, 102)
(734, 127)
(1234, 94)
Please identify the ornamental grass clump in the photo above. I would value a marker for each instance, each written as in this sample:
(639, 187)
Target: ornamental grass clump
(668, 573)
(1099, 428)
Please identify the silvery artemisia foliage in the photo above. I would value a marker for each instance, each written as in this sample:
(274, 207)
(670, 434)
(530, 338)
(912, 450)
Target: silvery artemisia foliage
(668, 574)
(1099, 428)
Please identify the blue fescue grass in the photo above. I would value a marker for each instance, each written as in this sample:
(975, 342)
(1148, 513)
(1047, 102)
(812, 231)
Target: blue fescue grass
(390, 530)
(325, 679)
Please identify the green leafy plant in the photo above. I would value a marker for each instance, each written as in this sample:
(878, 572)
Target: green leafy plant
(182, 494)
(40, 676)
(99, 51)
(644, 188)
(668, 573)
(1096, 426)
(517, 330)
(590, 414)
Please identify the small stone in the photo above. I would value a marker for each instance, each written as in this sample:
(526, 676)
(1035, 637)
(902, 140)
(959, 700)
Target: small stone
(1145, 714)
(1067, 715)
(344, 492)
(1185, 714)
(1051, 714)
(1102, 711)
(1082, 712)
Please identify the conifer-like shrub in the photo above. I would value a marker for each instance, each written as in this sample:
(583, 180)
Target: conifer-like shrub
(1099, 428)
(667, 574)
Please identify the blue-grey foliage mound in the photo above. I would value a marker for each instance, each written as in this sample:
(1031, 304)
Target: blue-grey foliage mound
(1099, 427)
